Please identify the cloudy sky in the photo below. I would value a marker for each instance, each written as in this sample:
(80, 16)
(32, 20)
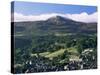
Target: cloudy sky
(27, 11)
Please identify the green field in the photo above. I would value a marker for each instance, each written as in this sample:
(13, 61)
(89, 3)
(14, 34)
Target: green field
(72, 50)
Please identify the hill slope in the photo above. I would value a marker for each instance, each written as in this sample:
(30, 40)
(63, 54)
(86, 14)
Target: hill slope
(54, 25)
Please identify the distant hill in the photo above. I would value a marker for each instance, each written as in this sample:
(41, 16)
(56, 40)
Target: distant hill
(53, 25)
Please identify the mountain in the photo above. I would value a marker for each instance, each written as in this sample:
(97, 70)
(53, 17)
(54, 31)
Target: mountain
(59, 20)
(53, 25)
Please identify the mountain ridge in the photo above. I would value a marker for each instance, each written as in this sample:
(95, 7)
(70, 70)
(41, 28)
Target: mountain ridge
(55, 24)
(59, 17)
